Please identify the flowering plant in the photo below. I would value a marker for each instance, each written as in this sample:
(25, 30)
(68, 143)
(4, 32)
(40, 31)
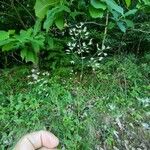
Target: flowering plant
(83, 48)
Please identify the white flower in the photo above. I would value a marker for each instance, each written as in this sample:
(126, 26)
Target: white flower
(71, 48)
(146, 126)
(87, 33)
(33, 70)
(34, 76)
(112, 106)
(74, 44)
(76, 34)
(107, 47)
(69, 44)
(67, 50)
(81, 23)
(72, 62)
(97, 47)
(84, 45)
(100, 58)
(99, 53)
(70, 32)
(92, 58)
(79, 31)
(90, 42)
(103, 47)
(82, 57)
(85, 29)
(105, 54)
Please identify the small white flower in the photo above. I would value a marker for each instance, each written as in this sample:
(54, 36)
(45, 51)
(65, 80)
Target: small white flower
(33, 70)
(82, 57)
(103, 47)
(35, 77)
(67, 50)
(84, 45)
(73, 38)
(69, 44)
(105, 54)
(107, 47)
(76, 34)
(71, 48)
(99, 53)
(74, 44)
(79, 31)
(85, 29)
(90, 42)
(81, 23)
(100, 58)
(97, 45)
(146, 126)
(87, 33)
(92, 58)
(72, 62)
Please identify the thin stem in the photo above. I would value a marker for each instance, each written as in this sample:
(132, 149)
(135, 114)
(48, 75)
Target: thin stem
(5, 3)
(19, 17)
(26, 10)
(105, 31)
(1, 13)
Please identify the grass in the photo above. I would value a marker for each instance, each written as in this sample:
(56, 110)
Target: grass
(109, 109)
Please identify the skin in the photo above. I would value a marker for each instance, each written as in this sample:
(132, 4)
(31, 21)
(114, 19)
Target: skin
(40, 140)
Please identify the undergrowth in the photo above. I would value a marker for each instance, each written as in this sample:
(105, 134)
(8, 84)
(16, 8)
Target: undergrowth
(108, 109)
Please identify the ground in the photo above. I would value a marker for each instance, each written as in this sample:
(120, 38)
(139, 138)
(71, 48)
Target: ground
(108, 109)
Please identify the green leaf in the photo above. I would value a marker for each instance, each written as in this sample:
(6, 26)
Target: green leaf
(9, 46)
(60, 21)
(42, 6)
(98, 4)
(129, 23)
(37, 26)
(11, 32)
(121, 26)
(75, 13)
(111, 25)
(130, 12)
(128, 2)
(52, 15)
(4, 35)
(50, 42)
(28, 55)
(114, 6)
(95, 13)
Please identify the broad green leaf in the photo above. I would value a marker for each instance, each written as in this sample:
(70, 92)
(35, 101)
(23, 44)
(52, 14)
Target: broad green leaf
(121, 26)
(50, 42)
(129, 23)
(4, 35)
(128, 2)
(98, 4)
(4, 42)
(28, 55)
(114, 6)
(60, 21)
(37, 26)
(52, 15)
(130, 12)
(95, 13)
(11, 32)
(9, 46)
(111, 25)
(42, 6)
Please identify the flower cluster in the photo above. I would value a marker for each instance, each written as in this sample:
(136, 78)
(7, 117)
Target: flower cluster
(40, 80)
(82, 46)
